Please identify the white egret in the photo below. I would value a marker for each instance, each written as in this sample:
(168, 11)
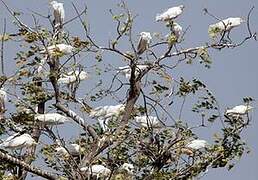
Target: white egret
(3, 95)
(59, 13)
(51, 118)
(72, 149)
(129, 168)
(126, 70)
(18, 141)
(97, 170)
(225, 25)
(197, 144)
(107, 111)
(144, 42)
(72, 76)
(170, 14)
(148, 121)
(177, 30)
(239, 110)
(3, 100)
(41, 65)
(63, 48)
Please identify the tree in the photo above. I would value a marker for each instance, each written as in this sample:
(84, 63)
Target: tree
(138, 137)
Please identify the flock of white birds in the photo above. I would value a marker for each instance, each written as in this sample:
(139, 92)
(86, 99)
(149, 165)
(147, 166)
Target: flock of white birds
(105, 113)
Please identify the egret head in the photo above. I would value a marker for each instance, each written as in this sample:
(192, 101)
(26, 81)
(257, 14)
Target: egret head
(242, 20)
(83, 75)
(146, 35)
(182, 7)
(51, 2)
(128, 167)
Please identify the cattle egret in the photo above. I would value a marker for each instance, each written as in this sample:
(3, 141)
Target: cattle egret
(170, 14)
(73, 149)
(97, 170)
(126, 70)
(3, 95)
(128, 167)
(18, 141)
(59, 13)
(51, 118)
(3, 100)
(144, 41)
(239, 110)
(197, 144)
(107, 111)
(72, 76)
(225, 25)
(177, 30)
(63, 48)
(149, 121)
(41, 65)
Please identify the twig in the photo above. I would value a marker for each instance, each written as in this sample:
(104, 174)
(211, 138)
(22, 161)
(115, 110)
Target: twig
(2, 48)
(27, 167)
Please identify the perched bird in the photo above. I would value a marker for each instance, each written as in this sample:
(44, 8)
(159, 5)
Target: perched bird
(41, 65)
(197, 144)
(129, 168)
(149, 121)
(72, 77)
(59, 13)
(239, 110)
(225, 25)
(3, 100)
(107, 111)
(72, 149)
(144, 42)
(18, 141)
(97, 170)
(170, 14)
(51, 118)
(63, 48)
(3, 95)
(126, 70)
(177, 30)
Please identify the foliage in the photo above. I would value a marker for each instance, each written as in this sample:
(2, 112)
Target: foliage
(157, 150)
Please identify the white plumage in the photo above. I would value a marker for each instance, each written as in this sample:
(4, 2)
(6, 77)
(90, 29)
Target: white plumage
(59, 13)
(41, 65)
(177, 30)
(239, 110)
(126, 70)
(227, 24)
(51, 118)
(17, 141)
(73, 149)
(150, 121)
(3, 95)
(128, 167)
(97, 170)
(107, 111)
(197, 144)
(144, 42)
(64, 48)
(170, 14)
(72, 76)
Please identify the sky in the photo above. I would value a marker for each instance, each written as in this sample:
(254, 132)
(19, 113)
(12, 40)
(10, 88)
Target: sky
(233, 74)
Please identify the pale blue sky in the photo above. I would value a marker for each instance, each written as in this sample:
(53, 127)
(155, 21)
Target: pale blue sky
(234, 71)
